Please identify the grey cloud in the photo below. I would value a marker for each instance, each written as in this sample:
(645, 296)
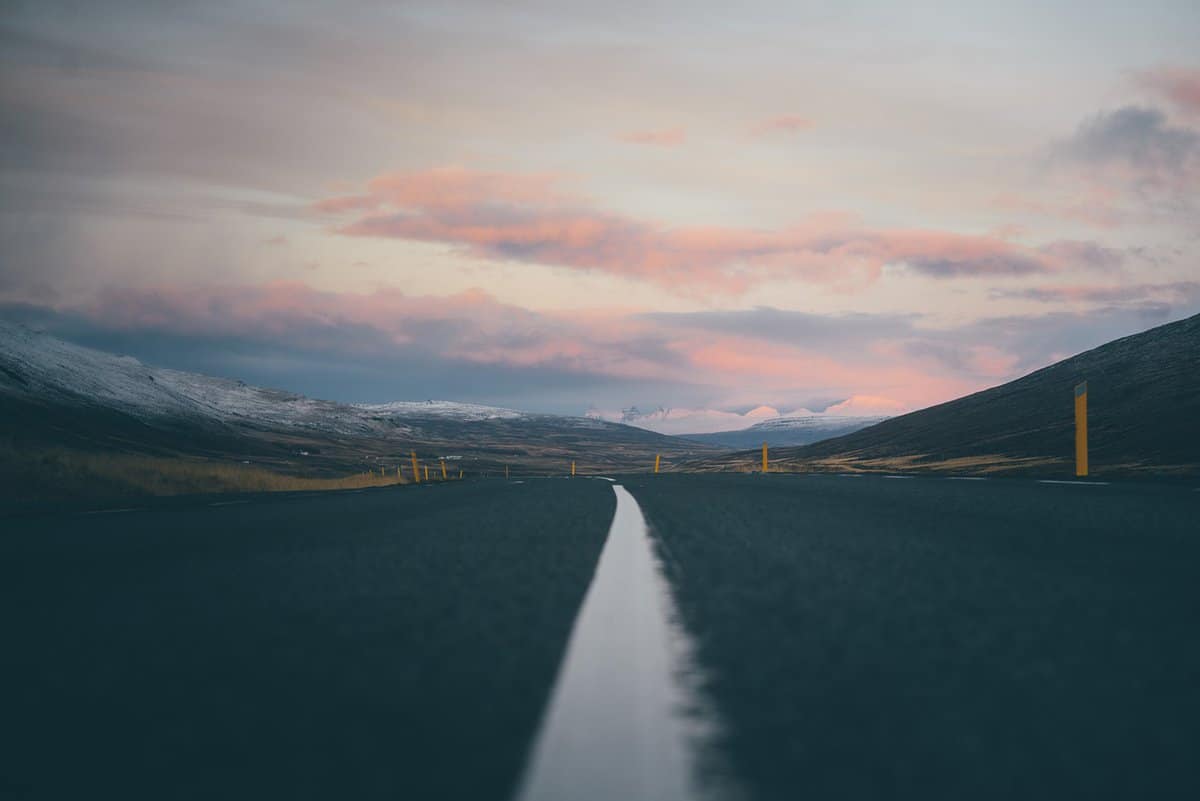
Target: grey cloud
(1182, 293)
(342, 359)
(1139, 150)
(832, 332)
(1074, 253)
(340, 362)
(998, 264)
(1139, 136)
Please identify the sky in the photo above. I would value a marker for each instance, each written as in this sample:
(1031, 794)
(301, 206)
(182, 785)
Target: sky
(841, 207)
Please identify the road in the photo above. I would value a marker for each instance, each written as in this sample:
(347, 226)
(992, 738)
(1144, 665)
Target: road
(380, 644)
(857, 637)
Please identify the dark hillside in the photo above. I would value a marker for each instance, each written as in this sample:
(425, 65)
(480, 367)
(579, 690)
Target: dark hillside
(1143, 409)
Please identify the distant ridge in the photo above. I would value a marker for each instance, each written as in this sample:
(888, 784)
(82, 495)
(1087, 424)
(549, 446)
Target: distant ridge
(55, 394)
(1144, 415)
(785, 431)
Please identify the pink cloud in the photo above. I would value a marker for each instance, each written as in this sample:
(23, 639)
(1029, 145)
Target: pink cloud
(667, 137)
(473, 328)
(528, 218)
(1180, 85)
(786, 123)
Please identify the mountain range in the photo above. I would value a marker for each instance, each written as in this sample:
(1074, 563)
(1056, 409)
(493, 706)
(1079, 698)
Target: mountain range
(57, 394)
(1143, 420)
(785, 431)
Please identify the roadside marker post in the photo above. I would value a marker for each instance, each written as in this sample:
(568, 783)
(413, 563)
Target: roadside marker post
(657, 460)
(764, 457)
(443, 470)
(460, 475)
(426, 472)
(572, 469)
(416, 475)
(1081, 426)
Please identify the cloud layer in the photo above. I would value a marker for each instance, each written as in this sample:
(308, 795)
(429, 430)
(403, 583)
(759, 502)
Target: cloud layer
(529, 218)
(387, 345)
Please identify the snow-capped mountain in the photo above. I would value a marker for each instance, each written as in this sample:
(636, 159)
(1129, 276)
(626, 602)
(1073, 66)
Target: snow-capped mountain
(791, 430)
(685, 422)
(55, 384)
(814, 422)
(751, 428)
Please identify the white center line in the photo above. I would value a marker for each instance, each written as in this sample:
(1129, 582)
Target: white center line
(623, 722)
(966, 478)
(897, 476)
(1073, 483)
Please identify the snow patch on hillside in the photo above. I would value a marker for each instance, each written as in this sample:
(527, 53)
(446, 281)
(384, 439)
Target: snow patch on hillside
(40, 366)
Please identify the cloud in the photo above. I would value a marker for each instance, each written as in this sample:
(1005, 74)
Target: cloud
(667, 137)
(1180, 85)
(836, 334)
(530, 218)
(1135, 136)
(788, 123)
(1138, 150)
(387, 345)
(1178, 292)
(1069, 253)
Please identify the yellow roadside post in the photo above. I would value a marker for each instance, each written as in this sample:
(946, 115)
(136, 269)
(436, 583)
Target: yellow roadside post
(443, 470)
(572, 468)
(657, 459)
(1081, 443)
(416, 474)
(460, 475)
(764, 457)
(426, 472)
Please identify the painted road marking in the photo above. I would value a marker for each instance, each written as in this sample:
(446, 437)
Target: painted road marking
(227, 503)
(966, 478)
(114, 511)
(1077, 483)
(899, 476)
(606, 478)
(851, 475)
(621, 721)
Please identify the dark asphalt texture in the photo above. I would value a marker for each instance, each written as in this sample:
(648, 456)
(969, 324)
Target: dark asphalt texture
(396, 643)
(863, 637)
(924, 638)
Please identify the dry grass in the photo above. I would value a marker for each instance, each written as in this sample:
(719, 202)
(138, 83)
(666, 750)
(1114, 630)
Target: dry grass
(986, 464)
(62, 473)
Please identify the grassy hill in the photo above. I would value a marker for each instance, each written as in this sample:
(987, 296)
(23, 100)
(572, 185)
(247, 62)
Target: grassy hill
(1143, 408)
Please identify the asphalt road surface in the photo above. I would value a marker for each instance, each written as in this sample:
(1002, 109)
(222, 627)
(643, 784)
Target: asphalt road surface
(858, 637)
(394, 644)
